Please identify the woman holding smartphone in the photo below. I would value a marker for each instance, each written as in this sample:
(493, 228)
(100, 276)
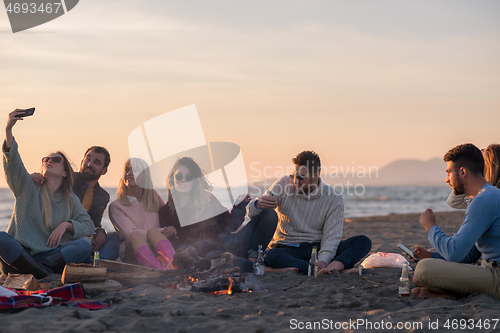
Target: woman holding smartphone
(49, 226)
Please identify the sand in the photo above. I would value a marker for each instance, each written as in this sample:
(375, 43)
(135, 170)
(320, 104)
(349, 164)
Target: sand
(282, 302)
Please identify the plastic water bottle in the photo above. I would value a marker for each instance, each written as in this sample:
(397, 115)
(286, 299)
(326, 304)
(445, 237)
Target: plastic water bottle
(259, 264)
(313, 263)
(404, 282)
(97, 259)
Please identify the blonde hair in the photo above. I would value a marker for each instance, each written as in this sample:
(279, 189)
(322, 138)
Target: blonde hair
(66, 188)
(142, 178)
(492, 162)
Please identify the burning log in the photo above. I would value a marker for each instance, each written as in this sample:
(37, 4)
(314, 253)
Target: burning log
(216, 278)
(216, 284)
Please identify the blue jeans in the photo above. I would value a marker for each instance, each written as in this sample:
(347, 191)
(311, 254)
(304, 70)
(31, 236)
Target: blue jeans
(349, 252)
(109, 250)
(76, 251)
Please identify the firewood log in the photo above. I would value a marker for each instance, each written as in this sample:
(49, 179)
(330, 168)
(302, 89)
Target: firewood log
(83, 273)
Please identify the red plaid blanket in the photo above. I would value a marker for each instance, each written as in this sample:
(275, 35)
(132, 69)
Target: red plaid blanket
(70, 295)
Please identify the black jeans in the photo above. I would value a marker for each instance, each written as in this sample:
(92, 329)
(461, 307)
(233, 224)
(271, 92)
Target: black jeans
(349, 252)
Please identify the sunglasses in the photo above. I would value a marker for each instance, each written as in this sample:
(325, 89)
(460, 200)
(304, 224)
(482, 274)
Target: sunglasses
(299, 177)
(179, 176)
(54, 159)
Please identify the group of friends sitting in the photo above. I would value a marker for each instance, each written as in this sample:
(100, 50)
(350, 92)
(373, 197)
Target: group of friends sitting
(58, 212)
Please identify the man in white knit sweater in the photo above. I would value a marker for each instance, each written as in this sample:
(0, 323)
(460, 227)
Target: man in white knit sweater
(310, 213)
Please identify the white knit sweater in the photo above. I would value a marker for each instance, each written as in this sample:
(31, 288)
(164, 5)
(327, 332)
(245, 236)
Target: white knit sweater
(316, 217)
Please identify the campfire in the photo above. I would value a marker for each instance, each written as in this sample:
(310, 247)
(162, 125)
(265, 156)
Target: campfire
(212, 275)
(229, 290)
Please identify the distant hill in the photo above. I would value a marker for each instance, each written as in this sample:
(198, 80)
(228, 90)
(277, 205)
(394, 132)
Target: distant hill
(401, 173)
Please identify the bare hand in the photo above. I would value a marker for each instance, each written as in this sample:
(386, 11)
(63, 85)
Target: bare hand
(169, 231)
(321, 265)
(427, 219)
(37, 178)
(56, 235)
(421, 253)
(267, 202)
(13, 118)
(99, 239)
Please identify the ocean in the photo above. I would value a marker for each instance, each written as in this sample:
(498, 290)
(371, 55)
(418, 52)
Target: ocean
(369, 201)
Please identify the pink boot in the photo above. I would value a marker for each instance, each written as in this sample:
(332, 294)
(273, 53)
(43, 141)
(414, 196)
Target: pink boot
(147, 258)
(166, 252)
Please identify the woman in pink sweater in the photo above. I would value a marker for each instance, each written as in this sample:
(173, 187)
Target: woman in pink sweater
(134, 215)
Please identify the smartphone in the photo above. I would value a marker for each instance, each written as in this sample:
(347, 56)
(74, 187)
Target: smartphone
(27, 113)
(404, 248)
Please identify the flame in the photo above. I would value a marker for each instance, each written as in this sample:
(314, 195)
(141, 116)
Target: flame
(191, 280)
(231, 284)
(165, 262)
(229, 290)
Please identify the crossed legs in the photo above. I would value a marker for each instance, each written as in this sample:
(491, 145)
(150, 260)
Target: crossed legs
(440, 278)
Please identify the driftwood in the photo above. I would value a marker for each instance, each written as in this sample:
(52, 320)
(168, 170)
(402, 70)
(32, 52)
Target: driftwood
(19, 281)
(83, 273)
(133, 275)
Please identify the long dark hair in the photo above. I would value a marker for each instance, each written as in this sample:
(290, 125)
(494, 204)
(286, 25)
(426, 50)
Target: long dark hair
(200, 192)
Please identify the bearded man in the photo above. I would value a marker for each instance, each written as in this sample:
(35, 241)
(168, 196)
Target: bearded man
(310, 214)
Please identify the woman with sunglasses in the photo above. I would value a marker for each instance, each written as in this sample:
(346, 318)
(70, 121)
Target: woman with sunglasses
(206, 222)
(134, 215)
(49, 226)
(215, 234)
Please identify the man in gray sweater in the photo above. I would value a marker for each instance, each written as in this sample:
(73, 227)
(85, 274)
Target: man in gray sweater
(310, 213)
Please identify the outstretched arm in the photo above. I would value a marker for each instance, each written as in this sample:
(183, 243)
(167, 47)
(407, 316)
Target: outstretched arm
(15, 172)
(12, 120)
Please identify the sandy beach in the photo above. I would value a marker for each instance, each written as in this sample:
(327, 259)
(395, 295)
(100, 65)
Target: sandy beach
(283, 302)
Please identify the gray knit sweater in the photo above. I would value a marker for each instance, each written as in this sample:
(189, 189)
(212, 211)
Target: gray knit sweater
(316, 217)
(26, 224)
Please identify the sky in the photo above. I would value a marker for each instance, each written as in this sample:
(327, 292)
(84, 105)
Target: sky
(362, 83)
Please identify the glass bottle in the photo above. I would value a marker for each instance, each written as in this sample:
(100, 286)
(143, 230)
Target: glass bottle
(404, 282)
(259, 264)
(97, 259)
(313, 263)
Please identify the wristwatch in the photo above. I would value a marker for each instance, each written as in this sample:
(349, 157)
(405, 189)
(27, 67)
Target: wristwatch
(100, 228)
